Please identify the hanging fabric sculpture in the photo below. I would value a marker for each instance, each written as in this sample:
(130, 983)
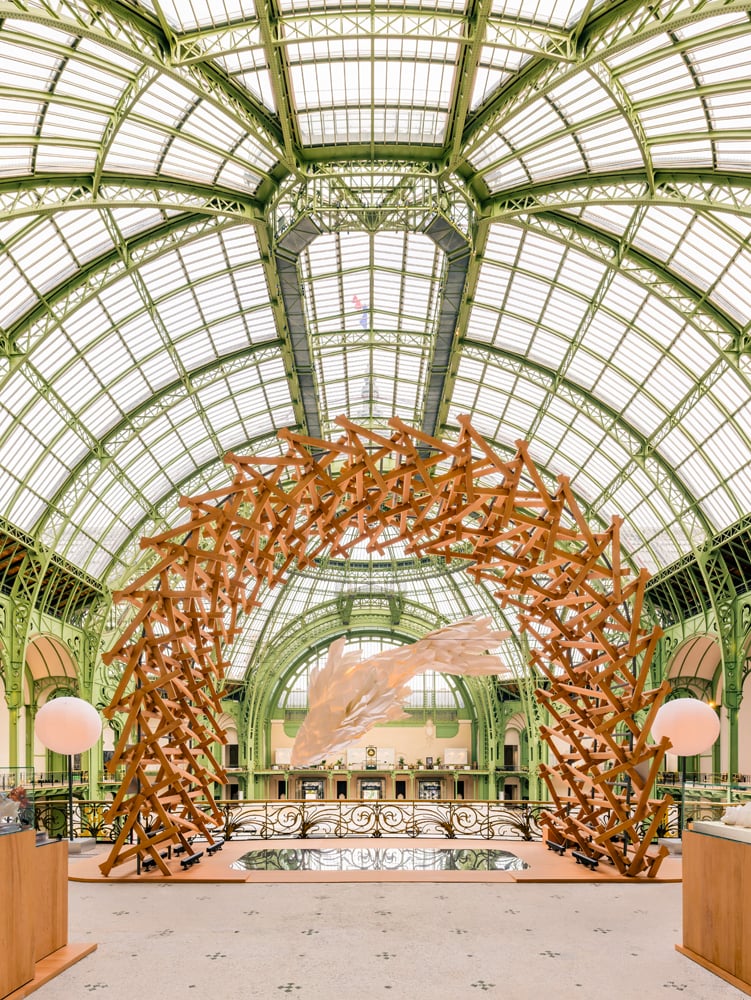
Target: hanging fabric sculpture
(347, 695)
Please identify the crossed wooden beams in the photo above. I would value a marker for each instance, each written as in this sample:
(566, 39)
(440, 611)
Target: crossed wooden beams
(455, 500)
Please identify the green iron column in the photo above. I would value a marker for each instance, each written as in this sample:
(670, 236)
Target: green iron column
(492, 781)
(14, 641)
(87, 662)
(729, 629)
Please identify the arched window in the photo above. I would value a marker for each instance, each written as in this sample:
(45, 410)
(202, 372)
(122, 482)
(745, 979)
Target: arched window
(295, 697)
(432, 693)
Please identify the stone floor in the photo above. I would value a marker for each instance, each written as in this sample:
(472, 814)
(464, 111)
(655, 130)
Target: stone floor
(586, 940)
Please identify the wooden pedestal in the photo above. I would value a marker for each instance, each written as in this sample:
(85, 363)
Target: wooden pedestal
(17, 911)
(34, 914)
(717, 906)
(49, 896)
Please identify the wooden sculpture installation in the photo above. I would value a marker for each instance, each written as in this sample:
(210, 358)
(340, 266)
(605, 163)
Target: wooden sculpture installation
(347, 696)
(452, 499)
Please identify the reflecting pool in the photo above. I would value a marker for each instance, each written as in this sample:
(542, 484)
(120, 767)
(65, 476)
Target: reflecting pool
(400, 859)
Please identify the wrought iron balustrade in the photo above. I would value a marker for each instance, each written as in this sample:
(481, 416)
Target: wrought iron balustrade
(320, 818)
(89, 818)
(316, 818)
(60, 778)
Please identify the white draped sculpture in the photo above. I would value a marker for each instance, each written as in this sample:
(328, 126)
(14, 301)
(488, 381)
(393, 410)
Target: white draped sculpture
(347, 696)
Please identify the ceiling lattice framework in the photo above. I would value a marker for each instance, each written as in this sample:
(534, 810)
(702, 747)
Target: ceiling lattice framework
(457, 500)
(219, 223)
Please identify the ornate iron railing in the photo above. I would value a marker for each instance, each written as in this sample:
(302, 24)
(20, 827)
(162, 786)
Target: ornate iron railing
(11, 777)
(704, 779)
(51, 815)
(309, 819)
(320, 818)
(316, 818)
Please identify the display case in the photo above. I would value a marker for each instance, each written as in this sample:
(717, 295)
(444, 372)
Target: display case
(16, 800)
(34, 914)
(310, 788)
(371, 788)
(716, 875)
(428, 788)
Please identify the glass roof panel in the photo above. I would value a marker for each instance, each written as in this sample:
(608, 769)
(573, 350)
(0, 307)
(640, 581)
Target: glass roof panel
(381, 76)
(515, 33)
(372, 304)
(201, 13)
(577, 127)
(558, 13)
(142, 324)
(635, 354)
(141, 333)
(674, 87)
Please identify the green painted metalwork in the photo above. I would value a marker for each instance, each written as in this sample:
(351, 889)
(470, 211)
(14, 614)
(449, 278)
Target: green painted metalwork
(128, 29)
(673, 288)
(130, 558)
(587, 318)
(281, 187)
(269, 17)
(609, 419)
(121, 434)
(48, 194)
(39, 322)
(614, 28)
(373, 196)
(477, 21)
(700, 189)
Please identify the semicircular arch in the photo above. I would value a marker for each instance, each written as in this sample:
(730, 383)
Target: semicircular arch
(49, 658)
(696, 667)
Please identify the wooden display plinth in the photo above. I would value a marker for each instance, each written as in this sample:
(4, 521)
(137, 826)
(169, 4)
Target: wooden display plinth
(717, 906)
(34, 915)
(17, 911)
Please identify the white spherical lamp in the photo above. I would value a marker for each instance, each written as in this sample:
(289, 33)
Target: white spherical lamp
(691, 725)
(68, 725)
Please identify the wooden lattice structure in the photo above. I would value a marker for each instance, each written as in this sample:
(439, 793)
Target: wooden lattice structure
(455, 500)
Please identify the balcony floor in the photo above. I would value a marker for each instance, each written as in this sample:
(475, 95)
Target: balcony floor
(544, 865)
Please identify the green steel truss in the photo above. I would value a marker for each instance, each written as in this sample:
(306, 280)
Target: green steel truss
(215, 229)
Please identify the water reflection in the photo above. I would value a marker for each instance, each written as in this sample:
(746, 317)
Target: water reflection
(411, 859)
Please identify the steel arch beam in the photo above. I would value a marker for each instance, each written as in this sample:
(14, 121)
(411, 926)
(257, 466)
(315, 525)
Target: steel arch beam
(698, 189)
(47, 194)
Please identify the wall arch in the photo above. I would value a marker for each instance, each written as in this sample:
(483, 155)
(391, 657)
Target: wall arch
(696, 666)
(695, 670)
(48, 657)
(454, 718)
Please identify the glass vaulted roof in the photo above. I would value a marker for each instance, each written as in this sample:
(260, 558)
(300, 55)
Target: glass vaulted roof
(372, 308)
(220, 219)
